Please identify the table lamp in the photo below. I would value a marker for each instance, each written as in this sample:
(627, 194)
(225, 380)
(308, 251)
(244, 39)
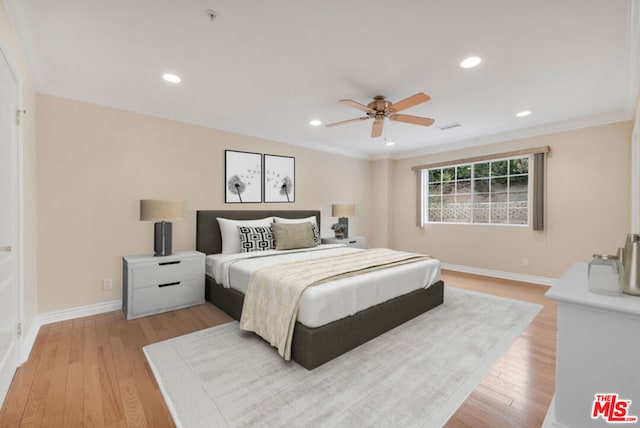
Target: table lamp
(162, 212)
(343, 211)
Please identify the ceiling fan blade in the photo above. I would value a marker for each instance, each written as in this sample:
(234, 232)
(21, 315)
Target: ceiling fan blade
(413, 100)
(376, 128)
(344, 122)
(415, 120)
(358, 106)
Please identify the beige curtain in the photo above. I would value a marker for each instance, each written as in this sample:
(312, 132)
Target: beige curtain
(537, 218)
(419, 201)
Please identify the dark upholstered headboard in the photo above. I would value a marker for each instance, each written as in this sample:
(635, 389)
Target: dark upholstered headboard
(208, 238)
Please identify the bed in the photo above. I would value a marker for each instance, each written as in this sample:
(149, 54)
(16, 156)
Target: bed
(312, 346)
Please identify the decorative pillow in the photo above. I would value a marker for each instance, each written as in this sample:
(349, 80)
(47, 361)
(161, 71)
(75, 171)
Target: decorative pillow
(256, 238)
(230, 234)
(289, 236)
(313, 220)
(316, 233)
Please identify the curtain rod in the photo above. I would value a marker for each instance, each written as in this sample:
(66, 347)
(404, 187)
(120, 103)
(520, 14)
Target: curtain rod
(535, 150)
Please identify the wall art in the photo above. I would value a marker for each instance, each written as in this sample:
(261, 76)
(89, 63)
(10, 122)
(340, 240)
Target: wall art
(243, 173)
(279, 178)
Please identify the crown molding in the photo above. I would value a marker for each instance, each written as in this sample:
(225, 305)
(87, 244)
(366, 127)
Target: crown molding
(552, 128)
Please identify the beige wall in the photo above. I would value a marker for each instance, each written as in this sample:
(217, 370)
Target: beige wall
(381, 189)
(588, 207)
(14, 51)
(95, 163)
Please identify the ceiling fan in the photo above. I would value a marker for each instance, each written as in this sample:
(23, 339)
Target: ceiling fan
(380, 108)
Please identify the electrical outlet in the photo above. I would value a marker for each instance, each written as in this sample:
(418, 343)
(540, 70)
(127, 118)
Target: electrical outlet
(524, 262)
(107, 284)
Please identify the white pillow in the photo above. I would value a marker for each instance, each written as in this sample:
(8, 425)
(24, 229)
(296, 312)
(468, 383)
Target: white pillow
(231, 235)
(312, 220)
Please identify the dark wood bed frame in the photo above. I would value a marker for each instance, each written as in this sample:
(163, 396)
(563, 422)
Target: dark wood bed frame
(312, 347)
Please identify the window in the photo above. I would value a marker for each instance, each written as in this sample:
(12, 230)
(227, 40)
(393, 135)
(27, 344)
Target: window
(491, 192)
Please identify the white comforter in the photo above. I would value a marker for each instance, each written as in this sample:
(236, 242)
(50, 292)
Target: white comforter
(330, 301)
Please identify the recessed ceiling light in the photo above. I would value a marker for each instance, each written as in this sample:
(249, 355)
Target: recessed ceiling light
(315, 122)
(470, 62)
(172, 78)
(523, 113)
(389, 143)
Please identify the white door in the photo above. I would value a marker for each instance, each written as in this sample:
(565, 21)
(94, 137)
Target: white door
(9, 348)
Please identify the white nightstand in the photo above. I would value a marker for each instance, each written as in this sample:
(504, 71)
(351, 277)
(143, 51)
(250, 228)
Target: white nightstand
(158, 284)
(355, 241)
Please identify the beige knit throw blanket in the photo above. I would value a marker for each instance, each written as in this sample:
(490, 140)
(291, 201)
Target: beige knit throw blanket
(271, 303)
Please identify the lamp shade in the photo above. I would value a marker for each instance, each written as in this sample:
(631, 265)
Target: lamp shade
(158, 210)
(343, 210)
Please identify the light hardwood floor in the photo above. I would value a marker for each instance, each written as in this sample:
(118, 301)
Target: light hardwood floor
(91, 371)
(519, 388)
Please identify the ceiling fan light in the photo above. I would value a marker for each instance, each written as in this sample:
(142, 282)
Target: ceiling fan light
(470, 62)
(171, 78)
(380, 109)
(315, 122)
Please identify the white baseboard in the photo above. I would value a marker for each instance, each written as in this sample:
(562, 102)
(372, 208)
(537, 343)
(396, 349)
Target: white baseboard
(541, 280)
(66, 314)
(79, 312)
(28, 340)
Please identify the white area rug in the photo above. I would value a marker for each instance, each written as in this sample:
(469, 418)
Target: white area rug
(417, 374)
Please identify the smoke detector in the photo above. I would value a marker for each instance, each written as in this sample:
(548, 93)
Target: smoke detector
(211, 14)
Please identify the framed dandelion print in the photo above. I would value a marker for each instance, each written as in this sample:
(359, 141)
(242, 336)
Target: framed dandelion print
(279, 178)
(242, 173)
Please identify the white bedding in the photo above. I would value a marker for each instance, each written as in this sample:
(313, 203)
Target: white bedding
(331, 301)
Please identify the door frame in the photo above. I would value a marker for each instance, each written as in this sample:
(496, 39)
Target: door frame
(635, 163)
(19, 160)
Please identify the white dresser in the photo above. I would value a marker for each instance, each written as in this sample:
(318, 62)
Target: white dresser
(356, 241)
(157, 284)
(598, 350)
